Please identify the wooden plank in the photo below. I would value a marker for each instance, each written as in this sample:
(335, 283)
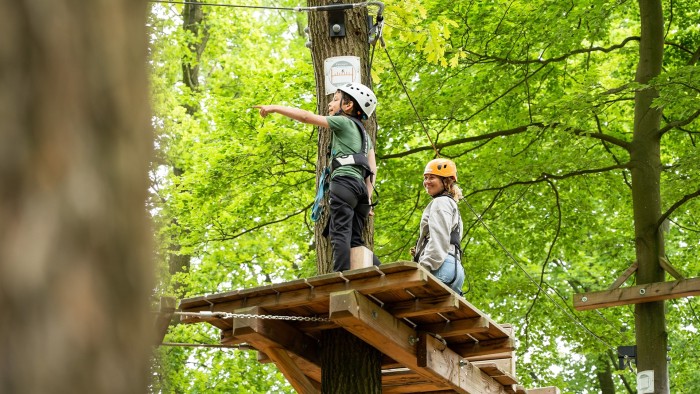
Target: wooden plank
(404, 380)
(637, 294)
(481, 348)
(465, 377)
(457, 327)
(203, 302)
(495, 371)
(379, 328)
(544, 390)
(424, 306)
(505, 361)
(163, 317)
(416, 388)
(320, 294)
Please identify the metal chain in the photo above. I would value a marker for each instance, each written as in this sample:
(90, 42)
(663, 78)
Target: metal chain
(227, 315)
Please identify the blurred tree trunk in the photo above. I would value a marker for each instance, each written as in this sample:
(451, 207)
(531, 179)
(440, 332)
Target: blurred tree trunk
(349, 365)
(75, 249)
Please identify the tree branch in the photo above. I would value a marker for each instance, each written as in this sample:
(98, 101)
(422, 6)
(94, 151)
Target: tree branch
(517, 130)
(560, 58)
(458, 141)
(261, 225)
(675, 206)
(545, 177)
(679, 123)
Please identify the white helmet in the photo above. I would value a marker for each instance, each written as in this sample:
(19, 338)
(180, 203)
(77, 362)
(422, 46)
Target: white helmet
(363, 95)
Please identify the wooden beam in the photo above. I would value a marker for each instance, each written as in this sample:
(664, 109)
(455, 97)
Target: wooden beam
(669, 268)
(481, 348)
(494, 370)
(276, 333)
(163, 317)
(467, 378)
(457, 327)
(275, 338)
(424, 306)
(379, 328)
(544, 390)
(292, 372)
(638, 294)
(403, 380)
(625, 275)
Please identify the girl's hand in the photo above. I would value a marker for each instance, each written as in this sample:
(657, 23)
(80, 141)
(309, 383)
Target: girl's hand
(264, 109)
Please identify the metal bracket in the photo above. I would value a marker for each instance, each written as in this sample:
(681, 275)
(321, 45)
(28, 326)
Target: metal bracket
(336, 23)
(625, 354)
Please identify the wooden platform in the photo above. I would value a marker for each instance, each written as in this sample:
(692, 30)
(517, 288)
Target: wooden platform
(433, 339)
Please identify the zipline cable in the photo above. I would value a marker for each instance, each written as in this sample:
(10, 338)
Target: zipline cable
(405, 90)
(510, 255)
(330, 7)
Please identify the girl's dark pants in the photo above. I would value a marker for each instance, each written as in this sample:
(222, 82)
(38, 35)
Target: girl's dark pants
(349, 210)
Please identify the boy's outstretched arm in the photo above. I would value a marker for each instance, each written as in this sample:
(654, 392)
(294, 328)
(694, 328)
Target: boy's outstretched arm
(300, 115)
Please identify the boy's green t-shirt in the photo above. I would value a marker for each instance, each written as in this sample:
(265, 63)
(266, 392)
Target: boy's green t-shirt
(346, 141)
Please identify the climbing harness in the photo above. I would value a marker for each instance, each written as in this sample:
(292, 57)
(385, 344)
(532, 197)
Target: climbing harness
(455, 239)
(356, 159)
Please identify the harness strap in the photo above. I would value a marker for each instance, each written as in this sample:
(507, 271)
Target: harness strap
(455, 239)
(358, 159)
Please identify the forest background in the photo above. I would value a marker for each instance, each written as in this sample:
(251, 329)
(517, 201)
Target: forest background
(534, 101)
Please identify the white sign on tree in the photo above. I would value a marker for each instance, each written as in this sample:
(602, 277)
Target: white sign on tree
(340, 70)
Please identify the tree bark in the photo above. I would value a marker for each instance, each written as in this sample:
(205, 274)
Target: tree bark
(75, 241)
(650, 318)
(605, 377)
(348, 365)
(323, 46)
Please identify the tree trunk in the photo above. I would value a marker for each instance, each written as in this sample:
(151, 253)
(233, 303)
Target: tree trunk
(192, 22)
(646, 197)
(605, 377)
(348, 365)
(75, 251)
(323, 46)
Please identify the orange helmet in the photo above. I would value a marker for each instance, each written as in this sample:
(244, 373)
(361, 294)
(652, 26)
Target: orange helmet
(441, 167)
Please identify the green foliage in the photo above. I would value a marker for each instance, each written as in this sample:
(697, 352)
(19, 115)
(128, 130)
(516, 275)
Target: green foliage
(534, 100)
